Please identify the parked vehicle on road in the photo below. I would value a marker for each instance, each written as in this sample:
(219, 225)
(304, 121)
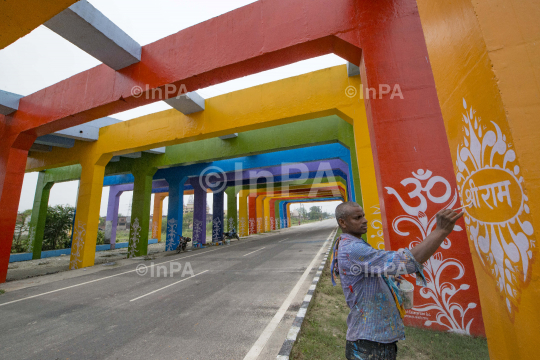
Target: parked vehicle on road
(231, 235)
(182, 244)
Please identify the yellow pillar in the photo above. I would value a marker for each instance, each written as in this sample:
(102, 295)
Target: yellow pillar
(289, 214)
(83, 248)
(481, 53)
(158, 215)
(243, 213)
(260, 214)
(368, 180)
(266, 207)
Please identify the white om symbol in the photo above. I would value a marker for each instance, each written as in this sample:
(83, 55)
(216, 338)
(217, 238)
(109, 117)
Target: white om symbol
(417, 192)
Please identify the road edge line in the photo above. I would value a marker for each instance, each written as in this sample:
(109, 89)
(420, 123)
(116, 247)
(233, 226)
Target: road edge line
(287, 346)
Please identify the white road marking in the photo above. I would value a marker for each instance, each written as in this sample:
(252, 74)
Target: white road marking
(259, 345)
(103, 278)
(155, 291)
(255, 251)
(282, 240)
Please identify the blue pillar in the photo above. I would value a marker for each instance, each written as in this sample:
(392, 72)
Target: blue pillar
(283, 214)
(175, 213)
(199, 211)
(217, 216)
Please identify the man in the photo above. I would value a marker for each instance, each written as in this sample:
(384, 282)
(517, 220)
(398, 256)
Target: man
(375, 321)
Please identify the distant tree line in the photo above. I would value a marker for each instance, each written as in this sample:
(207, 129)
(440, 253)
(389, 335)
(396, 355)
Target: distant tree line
(57, 234)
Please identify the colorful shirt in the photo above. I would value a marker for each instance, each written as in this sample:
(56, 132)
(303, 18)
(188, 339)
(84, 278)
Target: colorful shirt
(364, 273)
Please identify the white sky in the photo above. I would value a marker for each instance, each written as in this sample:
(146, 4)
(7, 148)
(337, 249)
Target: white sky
(43, 58)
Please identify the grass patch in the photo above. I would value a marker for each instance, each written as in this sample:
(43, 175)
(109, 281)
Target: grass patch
(2, 291)
(325, 326)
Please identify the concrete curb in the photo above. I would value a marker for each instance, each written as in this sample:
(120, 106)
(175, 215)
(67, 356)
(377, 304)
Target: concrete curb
(286, 348)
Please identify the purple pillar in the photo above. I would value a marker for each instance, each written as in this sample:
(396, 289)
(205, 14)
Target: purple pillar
(199, 211)
(112, 214)
(217, 216)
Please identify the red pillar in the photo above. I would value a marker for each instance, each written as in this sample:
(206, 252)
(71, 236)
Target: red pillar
(413, 163)
(252, 217)
(12, 165)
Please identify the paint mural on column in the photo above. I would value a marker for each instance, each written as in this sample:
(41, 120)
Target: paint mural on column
(436, 305)
(154, 230)
(376, 239)
(498, 220)
(197, 231)
(216, 227)
(172, 225)
(77, 245)
(231, 224)
(252, 226)
(242, 227)
(134, 239)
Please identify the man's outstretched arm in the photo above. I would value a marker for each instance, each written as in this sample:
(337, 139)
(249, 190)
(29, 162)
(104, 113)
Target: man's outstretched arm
(446, 220)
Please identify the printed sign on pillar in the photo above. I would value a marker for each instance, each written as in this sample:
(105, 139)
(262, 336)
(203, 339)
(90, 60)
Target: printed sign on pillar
(498, 219)
(450, 300)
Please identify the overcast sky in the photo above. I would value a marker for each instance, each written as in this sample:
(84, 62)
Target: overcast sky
(43, 58)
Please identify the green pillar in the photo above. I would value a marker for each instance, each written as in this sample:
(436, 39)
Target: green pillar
(232, 208)
(39, 215)
(140, 211)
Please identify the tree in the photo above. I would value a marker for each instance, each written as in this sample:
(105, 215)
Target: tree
(302, 212)
(57, 227)
(20, 243)
(188, 220)
(315, 213)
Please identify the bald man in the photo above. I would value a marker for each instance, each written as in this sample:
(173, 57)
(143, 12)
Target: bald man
(375, 322)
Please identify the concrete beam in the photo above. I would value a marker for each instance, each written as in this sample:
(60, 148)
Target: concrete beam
(134, 155)
(87, 28)
(160, 150)
(53, 140)
(137, 155)
(352, 70)
(9, 102)
(40, 148)
(88, 131)
(187, 103)
(230, 136)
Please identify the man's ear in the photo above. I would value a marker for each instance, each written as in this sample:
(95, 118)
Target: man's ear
(341, 223)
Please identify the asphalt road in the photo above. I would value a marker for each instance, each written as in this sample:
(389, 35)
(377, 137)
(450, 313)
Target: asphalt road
(218, 310)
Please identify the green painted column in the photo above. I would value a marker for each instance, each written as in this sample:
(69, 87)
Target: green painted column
(39, 215)
(232, 208)
(140, 211)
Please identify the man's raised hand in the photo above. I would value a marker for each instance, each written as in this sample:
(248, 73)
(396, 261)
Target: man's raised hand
(446, 220)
